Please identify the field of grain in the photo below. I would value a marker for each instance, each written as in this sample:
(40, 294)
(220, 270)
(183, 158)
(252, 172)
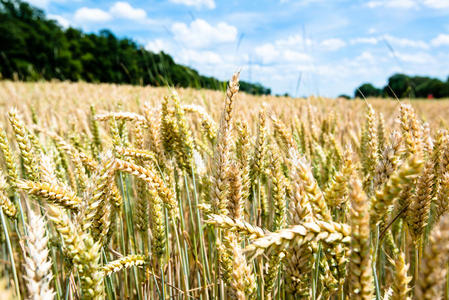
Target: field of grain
(122, 192)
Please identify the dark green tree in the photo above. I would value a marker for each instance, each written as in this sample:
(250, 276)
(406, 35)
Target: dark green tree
(367, 90)
(399, 85)
(404, 86)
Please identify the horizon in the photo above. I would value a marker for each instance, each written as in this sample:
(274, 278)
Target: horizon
(361, 41)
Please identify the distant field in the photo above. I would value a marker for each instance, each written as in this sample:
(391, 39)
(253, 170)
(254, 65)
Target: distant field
(124, 192)
(106, 96)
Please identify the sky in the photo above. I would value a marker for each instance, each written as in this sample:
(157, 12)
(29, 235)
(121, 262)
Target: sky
(300, 47)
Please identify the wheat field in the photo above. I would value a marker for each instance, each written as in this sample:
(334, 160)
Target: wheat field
(122, 192)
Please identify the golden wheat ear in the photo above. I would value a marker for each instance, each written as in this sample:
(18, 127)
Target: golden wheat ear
(361, 282)
(38, 273)
(429, 284)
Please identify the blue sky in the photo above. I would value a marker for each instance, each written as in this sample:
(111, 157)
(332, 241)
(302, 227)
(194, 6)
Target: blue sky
(303, 47)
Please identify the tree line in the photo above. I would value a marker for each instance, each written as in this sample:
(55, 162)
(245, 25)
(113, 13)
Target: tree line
(404, 86)
(33, 47)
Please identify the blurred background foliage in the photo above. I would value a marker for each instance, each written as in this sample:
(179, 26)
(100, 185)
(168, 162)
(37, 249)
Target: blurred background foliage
(404, 86)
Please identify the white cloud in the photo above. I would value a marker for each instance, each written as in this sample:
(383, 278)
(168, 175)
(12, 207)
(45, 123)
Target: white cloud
(374, 4)
(200, 57)
(157, 46)
(126, 11)
(441, 40)
(296, 56)
(294, 50)
(119, 10)
(408, 4)
(294, 41)
(298, 41)
(91, 15)
(333, 44)
(405, 4)
(267, 53)
(60, 20)
(364, 40)
(210, 4)
(201, 34)
(365, 57)
(403, 42)
(436, 3)
(416, 58)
